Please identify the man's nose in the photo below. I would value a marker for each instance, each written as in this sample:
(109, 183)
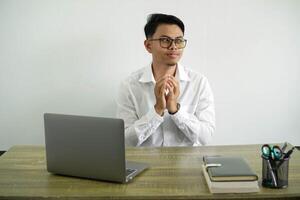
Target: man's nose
(173, 45)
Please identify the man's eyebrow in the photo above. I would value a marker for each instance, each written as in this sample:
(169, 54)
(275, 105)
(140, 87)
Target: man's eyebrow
(170, 37)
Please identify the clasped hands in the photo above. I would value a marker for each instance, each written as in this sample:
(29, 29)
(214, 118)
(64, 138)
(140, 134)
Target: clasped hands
(166, 92)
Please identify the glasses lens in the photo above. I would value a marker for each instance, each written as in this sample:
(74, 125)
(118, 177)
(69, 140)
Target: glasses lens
(165, 42)
(180, 43)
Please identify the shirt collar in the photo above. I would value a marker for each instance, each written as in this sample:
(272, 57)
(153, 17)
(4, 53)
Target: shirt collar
(147, 75)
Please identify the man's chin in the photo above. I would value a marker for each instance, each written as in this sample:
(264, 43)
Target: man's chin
(170, 64)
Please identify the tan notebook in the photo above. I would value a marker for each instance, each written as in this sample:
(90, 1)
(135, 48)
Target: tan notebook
(228, 168)
(230, 187)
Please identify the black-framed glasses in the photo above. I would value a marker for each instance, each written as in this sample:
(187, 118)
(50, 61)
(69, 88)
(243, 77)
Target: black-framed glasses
(166, 42)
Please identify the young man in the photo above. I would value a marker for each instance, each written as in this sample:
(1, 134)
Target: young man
(165, 104)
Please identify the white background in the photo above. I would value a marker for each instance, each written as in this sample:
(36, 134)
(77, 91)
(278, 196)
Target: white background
(70, 57)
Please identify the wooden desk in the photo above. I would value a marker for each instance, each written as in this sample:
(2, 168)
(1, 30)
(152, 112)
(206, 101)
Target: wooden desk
(175, 173)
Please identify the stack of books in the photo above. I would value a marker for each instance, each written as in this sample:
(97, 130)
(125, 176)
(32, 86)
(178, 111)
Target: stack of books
(227, 174)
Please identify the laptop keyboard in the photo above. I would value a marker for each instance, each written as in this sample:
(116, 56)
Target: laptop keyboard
(130, 171)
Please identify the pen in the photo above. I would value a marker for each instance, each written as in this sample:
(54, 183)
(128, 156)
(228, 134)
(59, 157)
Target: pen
(288, 154)
(284, 147)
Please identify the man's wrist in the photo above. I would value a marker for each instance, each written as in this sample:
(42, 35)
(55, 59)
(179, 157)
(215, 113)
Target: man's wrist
(159, 110)
(174, 111)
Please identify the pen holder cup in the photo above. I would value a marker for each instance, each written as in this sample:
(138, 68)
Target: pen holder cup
(275, 173)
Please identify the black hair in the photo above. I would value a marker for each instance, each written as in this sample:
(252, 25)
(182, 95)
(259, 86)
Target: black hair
(156, 19)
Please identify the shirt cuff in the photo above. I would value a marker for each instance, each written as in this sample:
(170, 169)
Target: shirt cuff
(153, 121)
(177, 117)
(154, 118)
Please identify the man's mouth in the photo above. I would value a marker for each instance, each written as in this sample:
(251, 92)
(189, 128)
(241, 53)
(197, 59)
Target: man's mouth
(172, 55)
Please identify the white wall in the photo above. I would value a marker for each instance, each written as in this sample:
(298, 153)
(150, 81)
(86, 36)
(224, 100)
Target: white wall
(70, 56)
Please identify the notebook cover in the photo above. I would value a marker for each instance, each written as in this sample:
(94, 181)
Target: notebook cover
(231, 169)
(230, 187)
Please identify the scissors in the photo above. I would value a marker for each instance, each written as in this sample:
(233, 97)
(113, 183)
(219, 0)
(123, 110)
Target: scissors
(271, 152)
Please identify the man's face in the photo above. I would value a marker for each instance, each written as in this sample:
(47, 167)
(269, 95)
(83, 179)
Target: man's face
(166, 56)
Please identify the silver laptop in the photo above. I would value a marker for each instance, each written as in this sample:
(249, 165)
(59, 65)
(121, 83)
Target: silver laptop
(88, 147)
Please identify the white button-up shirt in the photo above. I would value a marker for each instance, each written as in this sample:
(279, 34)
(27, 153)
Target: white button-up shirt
(192, 125)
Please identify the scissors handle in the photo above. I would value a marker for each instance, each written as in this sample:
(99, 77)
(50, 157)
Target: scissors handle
(266, 151)
(277, 152)
(274, 153)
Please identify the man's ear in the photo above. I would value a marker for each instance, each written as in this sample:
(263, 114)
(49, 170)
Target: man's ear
(148, 46)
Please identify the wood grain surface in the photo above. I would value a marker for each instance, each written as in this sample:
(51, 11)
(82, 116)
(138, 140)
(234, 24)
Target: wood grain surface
(175, 173)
